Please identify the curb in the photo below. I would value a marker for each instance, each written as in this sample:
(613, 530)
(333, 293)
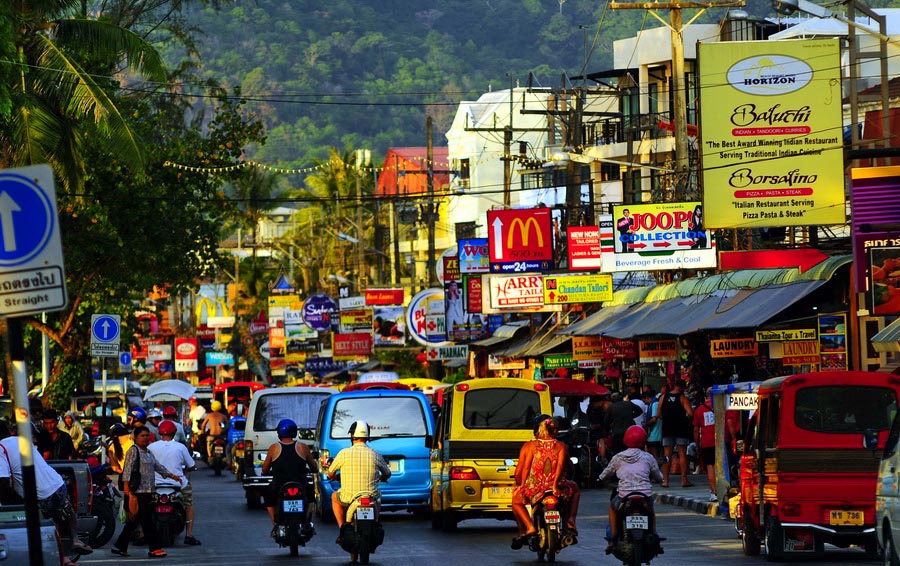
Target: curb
(695, 505)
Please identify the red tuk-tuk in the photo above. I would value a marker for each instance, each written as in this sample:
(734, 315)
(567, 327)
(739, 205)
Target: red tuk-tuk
(810, 460)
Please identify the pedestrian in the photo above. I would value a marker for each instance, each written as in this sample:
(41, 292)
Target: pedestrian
(621, 415)
(705, 438)
(73, 428)
(637, 399)
(676, 431)
(654, 425)
(52, 442)
(52, 495)
(174, 456)
(138, 482)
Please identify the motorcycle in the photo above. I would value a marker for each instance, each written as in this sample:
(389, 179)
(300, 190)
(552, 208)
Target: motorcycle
(103, 506)
(636, 543)
(292, 525)
(361, 534)
(577, 439)
(548, 516)
(168, 513)
(236, 445)
(217, 458)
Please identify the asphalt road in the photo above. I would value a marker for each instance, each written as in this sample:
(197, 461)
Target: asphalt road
(233, 535)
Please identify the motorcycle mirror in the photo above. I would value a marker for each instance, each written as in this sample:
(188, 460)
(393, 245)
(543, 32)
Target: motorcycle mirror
(196, 455)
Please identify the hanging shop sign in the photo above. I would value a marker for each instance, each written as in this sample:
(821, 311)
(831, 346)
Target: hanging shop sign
(616, 348)
(186, 350)
(318, 311)
(351, 303)
(733, 347)
(351, 345)
(219, 359)
(159, 352)
(436, 353)
(283, 300)
(742, 402)
(473, 255)
(800, 352)
(657, 351)
(558, 361)
(384, 297)
(517, 291)
(520, 240)
(772, 133)
(566, 289)
(584, 247)
(785, 335)
(496, 363)
(299, 331)
(474, 295)
(587, 347)
(356, 320)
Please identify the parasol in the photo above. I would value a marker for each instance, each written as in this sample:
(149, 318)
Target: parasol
(166, 389)
(565, 387)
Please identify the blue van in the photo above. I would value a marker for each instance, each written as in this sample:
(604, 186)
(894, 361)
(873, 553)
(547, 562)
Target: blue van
(399, 422)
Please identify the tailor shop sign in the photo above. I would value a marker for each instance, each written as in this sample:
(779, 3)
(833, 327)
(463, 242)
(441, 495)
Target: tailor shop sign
(733, 348)
(567, 289)
(657, 350)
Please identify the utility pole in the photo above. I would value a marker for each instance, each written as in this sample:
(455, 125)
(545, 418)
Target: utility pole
(429, 156)
(395, 228)
(362, 159)
(573, 168)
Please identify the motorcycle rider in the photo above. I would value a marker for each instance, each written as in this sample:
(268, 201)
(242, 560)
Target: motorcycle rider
(635, 469)
(363, 468)
(170, 414)
(288, 460)
(175, 456)
(154, 417)
(137, 416)
(215, 424)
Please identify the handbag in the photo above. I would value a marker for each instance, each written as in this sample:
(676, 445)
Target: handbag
(134, 482)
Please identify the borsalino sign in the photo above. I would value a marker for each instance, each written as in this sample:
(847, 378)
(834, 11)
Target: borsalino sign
(733, 347)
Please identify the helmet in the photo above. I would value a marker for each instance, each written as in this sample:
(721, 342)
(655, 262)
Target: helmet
(359, 429)
(154, 414)
(287, 428)
(635, 437)
(167, 428)
(169, 411)
(118, 429)
(137, 413)
(192, 400)
(539, 419)
(216, 405)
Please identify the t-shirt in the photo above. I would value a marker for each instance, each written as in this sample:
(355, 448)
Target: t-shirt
(705, 418)
(175, 457)
(60, 449)
(47, 479)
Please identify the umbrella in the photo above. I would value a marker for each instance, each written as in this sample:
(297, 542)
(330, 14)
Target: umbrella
(169, 388)
(565, 387)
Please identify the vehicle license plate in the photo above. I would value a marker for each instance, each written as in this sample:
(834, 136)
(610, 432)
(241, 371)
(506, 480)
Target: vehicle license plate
(637, 522)
(239, 453)
(551, 516)
(394, 465)
(292, 505)
(365, 513)
(218, 450)
(163, 508)
(501, 492)
(846, 517)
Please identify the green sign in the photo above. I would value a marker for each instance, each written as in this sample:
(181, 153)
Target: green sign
(556, 361)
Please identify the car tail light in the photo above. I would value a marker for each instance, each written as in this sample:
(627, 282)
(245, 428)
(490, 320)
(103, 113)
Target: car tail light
(240, 445)
(365, 501)
(463, 473)
(462, 386)
(324, 456)
(540, 387)
(790, 509)
(248, 448)
(550, 503)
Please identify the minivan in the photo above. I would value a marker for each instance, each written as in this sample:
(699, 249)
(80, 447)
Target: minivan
(400, 426)
(267, 408)
(483, 424)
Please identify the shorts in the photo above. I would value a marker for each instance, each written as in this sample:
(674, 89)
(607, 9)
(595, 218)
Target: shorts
(675, 441)
(187, 495)
(57, 507)
(708, 455)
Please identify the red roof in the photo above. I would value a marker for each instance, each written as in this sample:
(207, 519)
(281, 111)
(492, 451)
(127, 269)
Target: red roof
(404, 171)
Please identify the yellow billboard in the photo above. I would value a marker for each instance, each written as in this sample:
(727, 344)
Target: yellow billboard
(564, 289)
(772, 134)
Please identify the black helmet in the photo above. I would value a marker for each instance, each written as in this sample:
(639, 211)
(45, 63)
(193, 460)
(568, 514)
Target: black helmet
(539, 419)
(118, 429)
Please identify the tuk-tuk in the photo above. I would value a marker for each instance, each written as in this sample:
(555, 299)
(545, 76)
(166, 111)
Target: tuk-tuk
(733, 405)
(810, 462)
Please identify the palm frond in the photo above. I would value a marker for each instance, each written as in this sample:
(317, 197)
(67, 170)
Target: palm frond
(140, 56)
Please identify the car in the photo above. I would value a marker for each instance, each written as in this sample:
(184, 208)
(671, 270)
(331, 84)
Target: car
(400, 424)
(267, 408)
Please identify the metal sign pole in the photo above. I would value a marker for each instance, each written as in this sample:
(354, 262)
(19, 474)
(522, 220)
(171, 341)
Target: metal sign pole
(103, 385)
(15, 345)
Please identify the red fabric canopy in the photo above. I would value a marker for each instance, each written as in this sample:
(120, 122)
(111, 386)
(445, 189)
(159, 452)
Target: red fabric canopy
(565, 387)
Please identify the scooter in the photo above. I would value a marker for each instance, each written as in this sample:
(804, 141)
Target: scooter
(636, 543)
(361, 534)
(168, 513)
(292, 525)
(217, 458)
(548, 515)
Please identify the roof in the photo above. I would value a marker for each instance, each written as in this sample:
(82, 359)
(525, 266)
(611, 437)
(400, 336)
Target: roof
(535, 345)
(404, 171)
(505, 332)
(888, 339)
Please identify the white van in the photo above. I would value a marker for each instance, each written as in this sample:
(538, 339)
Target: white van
(267, 408)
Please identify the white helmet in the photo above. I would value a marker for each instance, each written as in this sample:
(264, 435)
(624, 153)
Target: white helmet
(359, 429)
(154, 414)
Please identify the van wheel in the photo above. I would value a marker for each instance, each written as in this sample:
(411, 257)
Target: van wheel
(890, 551)
(774, 541)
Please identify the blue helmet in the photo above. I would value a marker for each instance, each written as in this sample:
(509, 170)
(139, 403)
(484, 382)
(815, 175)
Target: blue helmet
(287, 428)
(137, 413)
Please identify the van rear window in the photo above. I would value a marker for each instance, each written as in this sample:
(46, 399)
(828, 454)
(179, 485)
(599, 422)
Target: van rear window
(845, 409)
(302, 408)
(501, 408)
(387, 417)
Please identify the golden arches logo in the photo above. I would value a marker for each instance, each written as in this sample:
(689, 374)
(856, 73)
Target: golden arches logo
(524, 230)
(207, 307)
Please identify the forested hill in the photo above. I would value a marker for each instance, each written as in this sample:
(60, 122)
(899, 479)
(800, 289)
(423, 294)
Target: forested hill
(364, 73)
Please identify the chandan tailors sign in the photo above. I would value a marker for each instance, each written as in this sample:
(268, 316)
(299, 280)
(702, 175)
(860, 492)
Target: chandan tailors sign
(772, 147)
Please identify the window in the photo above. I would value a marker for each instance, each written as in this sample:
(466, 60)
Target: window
(501, 408)
(302, 408)
(845, 409)
(386, 416)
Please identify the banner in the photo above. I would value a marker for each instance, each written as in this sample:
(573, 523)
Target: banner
(473, 255)
(564, 289)
(772, 152)
(733, 347)
(657, 350)
(800, 352)
(353, 345)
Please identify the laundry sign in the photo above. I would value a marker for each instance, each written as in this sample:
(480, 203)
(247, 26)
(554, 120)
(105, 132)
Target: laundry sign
(733, 347)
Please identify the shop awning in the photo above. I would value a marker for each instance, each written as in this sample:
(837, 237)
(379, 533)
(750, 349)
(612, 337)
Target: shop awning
(759, 306)
(888, 340)
(677, 317)
(505, 332)
(534, 346)
(597, 322)
(635, 320)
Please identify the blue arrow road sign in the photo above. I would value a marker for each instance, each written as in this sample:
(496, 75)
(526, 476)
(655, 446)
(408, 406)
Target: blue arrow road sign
(125, 359)
(105, 328)
(27, 219)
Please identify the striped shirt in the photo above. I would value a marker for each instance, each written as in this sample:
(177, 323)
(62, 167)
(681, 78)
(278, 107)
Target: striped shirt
(362, 469)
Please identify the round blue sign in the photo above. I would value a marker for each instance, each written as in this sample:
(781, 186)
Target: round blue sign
(318, 311)
(105, 329)
(27, 219)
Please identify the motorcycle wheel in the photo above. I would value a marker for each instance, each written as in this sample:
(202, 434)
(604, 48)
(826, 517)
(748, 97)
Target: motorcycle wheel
(637, 554)
(106, 523)
(584, 464)
(552, 543)
(363, 557)
(164, 532)
(295, 549)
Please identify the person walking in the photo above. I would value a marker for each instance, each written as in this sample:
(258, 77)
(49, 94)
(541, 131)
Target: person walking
(705, 437)
(654, 425)
(676, 431)
(138, 483)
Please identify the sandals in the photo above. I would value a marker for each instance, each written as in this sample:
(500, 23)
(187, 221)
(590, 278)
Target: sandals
(158, 553)
(520, 540)
(115, 550)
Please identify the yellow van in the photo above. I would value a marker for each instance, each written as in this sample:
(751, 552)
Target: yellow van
(482, 425)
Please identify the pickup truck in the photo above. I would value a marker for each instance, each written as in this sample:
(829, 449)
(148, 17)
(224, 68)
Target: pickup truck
(77, 475)
(14, 538)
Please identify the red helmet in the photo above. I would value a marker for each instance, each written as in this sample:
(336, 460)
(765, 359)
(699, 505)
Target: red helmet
(167, 428)
(169, 411)
(635, 437)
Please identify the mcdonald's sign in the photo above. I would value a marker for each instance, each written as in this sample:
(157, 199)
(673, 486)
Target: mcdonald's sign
(520, 240)
(207, 307)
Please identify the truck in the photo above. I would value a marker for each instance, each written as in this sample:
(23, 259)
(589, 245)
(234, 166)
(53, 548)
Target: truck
(14, 538)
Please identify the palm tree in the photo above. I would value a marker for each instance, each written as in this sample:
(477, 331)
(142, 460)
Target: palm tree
(59, 80)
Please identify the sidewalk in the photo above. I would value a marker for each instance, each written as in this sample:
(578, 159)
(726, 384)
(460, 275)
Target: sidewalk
(695, 498)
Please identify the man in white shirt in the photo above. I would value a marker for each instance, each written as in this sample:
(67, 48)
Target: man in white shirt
(170, 413)
(175, 456)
